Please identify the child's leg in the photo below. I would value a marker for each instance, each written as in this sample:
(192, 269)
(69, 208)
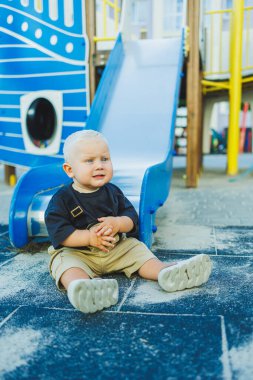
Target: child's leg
(71, 271)
(72, 274)
(151, 269)
(178, 276)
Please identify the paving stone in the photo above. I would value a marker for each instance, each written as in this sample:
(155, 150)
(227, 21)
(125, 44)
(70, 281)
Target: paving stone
(216, 202)
(6, 249)
(4, 312)
(3, 229)
(112, 345)
(25, 280)
(6, 256)
(239, 334)
(185, 238)
(228, 291)
(234, 240)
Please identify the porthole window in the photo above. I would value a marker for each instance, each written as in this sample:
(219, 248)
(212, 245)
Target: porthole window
(41, 122)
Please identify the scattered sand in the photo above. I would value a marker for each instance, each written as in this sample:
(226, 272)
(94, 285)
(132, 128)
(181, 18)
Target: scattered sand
(241, 359)
(22, 273)
(183, 237)
(17, 348)
(150, 293)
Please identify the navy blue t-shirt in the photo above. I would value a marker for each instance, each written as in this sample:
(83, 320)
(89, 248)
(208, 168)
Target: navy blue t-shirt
(69, 210)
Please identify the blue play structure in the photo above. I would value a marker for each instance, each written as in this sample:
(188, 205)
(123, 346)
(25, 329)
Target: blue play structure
(44, 54)
(135, 108)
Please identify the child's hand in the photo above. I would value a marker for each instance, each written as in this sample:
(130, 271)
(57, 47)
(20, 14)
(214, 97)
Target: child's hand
(109, 226)
(102, 242)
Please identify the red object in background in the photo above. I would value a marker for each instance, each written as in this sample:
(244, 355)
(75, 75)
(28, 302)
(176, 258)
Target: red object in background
(243, 127)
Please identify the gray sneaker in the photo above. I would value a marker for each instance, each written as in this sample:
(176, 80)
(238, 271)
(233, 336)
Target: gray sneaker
(186, 273)
(90, 296)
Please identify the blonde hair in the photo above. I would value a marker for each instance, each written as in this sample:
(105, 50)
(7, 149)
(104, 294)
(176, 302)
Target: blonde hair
(75, 137)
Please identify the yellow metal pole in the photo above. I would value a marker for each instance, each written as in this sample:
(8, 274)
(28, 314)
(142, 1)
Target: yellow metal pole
(235, 93)
(104, 17)
(116, 16)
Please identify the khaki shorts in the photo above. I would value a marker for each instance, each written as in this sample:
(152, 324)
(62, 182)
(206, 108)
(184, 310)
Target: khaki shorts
(127, 256)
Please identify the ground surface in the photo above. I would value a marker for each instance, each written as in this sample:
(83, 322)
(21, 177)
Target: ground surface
(202, 333)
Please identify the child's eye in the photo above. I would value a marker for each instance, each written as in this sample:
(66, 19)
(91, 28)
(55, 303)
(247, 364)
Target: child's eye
(105, 159)
(89, 161)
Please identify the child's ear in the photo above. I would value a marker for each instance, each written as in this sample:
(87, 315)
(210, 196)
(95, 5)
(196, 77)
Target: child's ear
(68, 169)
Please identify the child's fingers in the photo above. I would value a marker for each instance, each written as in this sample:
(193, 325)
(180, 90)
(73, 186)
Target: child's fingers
(99, 228)
(95, 228)
(105, 245)
(104, 230)
(108, 244)
(110, 239)
(102, 248)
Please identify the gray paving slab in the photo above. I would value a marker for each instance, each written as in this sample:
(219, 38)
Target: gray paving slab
(189, 216)
(234, 240)
(5, 311)
(183, 237)
(3, 229)
(72, 345)
(228, 292)
(216, 202)
(6, 256)
(6, 250)
(239, 335)
(25, 281)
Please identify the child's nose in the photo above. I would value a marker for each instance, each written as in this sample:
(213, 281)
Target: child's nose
(99, 164)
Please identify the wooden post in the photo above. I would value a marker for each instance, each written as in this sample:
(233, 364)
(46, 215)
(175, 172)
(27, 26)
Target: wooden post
(10, 175)
(90, 12)
(193, 98)
(201, 122)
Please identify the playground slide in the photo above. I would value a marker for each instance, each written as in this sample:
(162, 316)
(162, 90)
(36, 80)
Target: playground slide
(135, 108)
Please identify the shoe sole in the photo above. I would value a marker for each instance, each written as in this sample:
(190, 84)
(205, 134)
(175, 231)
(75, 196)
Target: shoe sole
(186, 274)
(90, 296)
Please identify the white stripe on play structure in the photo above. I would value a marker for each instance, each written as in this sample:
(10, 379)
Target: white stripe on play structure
(26, 60)
(44, 74)
(11, 46)
(39, 21)
(42, 49)
(69, 91)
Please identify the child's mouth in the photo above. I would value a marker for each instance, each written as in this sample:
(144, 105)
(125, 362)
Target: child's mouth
(99, 176)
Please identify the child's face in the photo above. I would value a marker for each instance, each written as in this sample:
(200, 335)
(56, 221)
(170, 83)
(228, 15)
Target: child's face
(90, 164)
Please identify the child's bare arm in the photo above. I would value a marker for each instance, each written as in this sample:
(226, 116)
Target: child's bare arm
(111, 225)
(80, 238)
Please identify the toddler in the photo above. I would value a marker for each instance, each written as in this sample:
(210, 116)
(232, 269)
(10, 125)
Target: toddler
(93, 229)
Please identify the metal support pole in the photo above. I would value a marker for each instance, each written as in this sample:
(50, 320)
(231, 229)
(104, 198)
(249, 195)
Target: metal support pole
(235, 92)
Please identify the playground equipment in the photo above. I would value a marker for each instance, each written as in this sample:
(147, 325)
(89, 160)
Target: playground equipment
(131, 96)
(44, 81)
(135, 108)
(228, 65)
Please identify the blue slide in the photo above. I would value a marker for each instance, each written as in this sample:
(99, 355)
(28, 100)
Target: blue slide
(135, 108)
